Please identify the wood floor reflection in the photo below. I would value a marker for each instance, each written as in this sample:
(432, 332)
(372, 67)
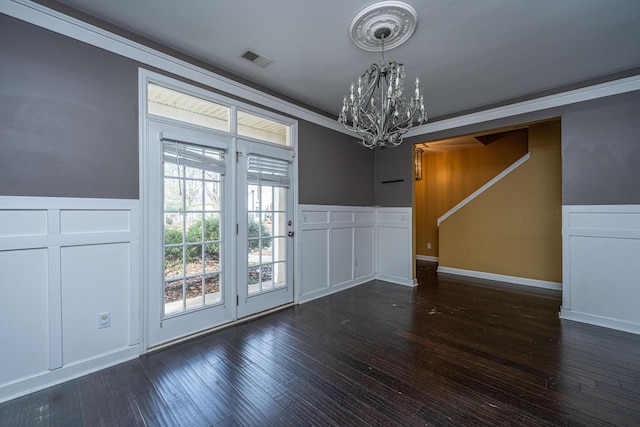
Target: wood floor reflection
(448, 352)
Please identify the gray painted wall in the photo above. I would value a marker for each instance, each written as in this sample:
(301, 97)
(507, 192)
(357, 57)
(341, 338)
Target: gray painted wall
(333, 168)
(601, 152)
(68, 117)
(69, 126)
(394, 164)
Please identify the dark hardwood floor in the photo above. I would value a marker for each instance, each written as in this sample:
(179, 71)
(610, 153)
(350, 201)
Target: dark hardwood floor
(449, 352)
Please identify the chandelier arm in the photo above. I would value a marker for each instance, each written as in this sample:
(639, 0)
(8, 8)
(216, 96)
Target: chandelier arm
(370, 123)
(371, 77)
(406, 123)
(360, 131)
(360, 105)
(368, 138)
(389, 117)
(362, 109)
(359, 126)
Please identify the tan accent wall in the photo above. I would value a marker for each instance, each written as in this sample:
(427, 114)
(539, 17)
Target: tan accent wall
(514, 228)
(451, 176)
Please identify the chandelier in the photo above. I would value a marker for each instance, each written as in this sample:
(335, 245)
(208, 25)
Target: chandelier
(377, 108)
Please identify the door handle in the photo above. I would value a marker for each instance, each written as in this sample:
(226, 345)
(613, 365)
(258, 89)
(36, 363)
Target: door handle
(290, 234)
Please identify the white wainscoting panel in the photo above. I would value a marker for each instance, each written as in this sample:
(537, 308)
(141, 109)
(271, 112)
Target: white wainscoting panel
(63, 262)
(23, 222)
(95, 279)
(315, 259)
(394, 247)
(344, 246)
(94, 221)
(341, 257)
(601, 265)
(23, 317)
(364, 238)
(336, 249)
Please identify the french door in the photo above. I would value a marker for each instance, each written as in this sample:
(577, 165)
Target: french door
(265, 231)
(219, 229)
(189, 224)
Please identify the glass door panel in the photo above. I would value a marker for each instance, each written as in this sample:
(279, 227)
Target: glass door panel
(266, 238)
(189, 289)
(265, 247)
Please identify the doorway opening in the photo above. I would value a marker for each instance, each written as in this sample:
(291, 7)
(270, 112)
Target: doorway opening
(491, 204)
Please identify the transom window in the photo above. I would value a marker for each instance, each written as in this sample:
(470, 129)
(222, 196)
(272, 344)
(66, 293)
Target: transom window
(176, 105)
(262, 128)
(187, 108)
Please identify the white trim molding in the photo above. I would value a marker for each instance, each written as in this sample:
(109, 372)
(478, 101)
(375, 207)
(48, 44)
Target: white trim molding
(42, 380)
(600, 268)
(60, 23)
(485, 187)
(78, 258)
(523, 281)
(427, 258)
(614, 87)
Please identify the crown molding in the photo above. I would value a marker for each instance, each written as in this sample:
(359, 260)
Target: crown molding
(60, 23)
(588, 93)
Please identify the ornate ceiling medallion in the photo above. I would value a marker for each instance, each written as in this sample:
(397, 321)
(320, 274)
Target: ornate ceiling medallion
(378, 109)
(395, 18)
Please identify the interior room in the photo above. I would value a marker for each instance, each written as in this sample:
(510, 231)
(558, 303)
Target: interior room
(319, 213)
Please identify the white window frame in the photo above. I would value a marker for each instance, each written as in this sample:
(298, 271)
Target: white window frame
(144, 78)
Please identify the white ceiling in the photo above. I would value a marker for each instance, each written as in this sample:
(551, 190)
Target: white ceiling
(467, 53)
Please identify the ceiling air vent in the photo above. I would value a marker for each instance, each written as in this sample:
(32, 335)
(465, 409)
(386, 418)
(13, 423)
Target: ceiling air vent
(259, 60)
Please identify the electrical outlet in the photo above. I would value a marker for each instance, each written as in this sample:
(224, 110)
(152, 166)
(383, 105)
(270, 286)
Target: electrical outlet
(428, 245)
(104, 320)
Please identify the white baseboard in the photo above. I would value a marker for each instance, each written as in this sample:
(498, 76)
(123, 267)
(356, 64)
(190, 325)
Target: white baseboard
(310, 296)
(68, 372)
(427, 258)
(605, 322)
(397, 280)
(501, 278)
(346, 285)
